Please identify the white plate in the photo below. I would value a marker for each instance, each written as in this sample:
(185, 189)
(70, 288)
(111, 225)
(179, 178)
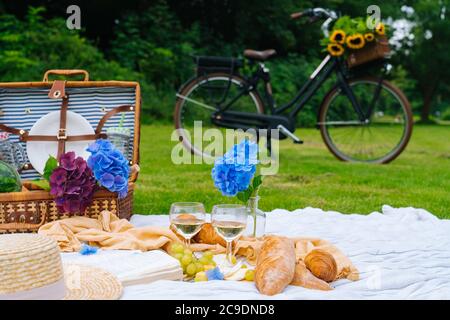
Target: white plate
(39, 151)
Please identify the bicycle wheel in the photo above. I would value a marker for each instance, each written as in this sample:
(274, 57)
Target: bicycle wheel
(203, 96)
(379, 139)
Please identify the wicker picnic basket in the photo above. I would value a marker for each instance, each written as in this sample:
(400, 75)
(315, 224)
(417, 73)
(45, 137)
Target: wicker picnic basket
(102, 103)
(375, 50)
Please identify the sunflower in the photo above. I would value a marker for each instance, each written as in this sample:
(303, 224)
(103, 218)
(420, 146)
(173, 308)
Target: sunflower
(380, 29)
(369, 36)
(355, 41)
(338, 36)
(335, 49)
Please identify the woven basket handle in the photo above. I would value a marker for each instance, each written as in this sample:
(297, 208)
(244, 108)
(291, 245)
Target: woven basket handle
(66, 72)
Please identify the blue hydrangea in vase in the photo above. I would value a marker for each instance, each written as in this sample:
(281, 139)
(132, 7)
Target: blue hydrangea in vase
(234, 175)
(109, 166)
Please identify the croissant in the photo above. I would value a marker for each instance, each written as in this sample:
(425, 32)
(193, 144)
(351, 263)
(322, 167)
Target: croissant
(304, 278)
(275, 265)
(344, 266)
(208, 235)
(321, 264)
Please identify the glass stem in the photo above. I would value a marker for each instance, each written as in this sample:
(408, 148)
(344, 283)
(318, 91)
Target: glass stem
(254, 223)
(229, 251)
(252, 206)
(188, 243)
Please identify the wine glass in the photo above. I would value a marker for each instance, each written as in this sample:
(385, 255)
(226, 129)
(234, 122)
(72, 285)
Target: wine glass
(229, 221)
(187, 218)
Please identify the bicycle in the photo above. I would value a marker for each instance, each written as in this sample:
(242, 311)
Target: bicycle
(362, 119)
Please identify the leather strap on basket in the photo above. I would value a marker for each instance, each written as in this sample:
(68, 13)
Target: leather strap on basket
(110, 114)
(57, 91)
(24, 136)
(20, 132)
(62, 134)
(68, 138)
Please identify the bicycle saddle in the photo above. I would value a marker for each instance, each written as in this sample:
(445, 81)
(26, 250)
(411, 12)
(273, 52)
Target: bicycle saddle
(259, 55)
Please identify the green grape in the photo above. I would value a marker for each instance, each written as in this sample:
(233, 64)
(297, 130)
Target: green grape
(187, 259)
(208, 254)
(177, 248)
(209, 267)
(191, 269)
(201, 276)
(244, 266)
(178, 256)
(204, 261)
(250, 275)
(187, 252)
(200, 267)
(233, 260)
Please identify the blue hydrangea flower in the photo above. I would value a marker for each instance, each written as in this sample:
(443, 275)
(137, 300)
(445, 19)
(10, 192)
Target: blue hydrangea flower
(87, 249)
(214, 274)
(109, 166)
(234, 171)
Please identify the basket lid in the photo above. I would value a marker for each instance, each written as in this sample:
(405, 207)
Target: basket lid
(90, 99)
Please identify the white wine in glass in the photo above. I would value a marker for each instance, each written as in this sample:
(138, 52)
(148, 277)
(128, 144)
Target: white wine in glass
(187, 227)
(229, 221)
(229, 230)
(187, 218)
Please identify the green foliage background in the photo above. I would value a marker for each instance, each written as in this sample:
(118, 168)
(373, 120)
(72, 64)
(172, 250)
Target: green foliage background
(152, 42)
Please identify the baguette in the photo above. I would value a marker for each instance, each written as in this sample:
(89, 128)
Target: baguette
(304, 278)
(275, 265)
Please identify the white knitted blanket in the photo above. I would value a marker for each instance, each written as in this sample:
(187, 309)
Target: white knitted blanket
(401, 254)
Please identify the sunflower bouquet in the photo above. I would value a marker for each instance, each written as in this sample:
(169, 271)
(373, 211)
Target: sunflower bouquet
(351, 33)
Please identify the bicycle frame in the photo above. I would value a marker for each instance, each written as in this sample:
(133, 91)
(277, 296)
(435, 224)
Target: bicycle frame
(315, 81)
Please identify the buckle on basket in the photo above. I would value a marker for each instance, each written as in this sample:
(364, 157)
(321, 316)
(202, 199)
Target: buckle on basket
(62, 135)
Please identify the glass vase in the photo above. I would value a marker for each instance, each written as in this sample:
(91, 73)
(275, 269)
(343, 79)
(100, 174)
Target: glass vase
(9, 178)
(256, 223)
(120, 138)
(11, 152)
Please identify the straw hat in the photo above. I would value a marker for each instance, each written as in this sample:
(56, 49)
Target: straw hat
(31, 268)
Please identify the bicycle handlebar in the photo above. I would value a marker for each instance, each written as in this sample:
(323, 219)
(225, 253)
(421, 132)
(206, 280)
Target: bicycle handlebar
(314, 14)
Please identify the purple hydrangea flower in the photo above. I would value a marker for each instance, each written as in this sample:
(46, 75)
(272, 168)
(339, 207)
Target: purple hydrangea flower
(72, 184)
(67, 161)
(110, 167)
(233, 172)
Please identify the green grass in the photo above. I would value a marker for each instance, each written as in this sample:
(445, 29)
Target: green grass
(309, 176)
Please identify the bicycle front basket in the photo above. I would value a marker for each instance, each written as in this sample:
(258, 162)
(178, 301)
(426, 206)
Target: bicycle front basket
(209, 64)
(378, 49)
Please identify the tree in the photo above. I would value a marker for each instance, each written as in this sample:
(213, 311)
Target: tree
(425, 54)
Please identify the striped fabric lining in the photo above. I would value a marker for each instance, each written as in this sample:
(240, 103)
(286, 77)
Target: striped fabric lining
(22, 107)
